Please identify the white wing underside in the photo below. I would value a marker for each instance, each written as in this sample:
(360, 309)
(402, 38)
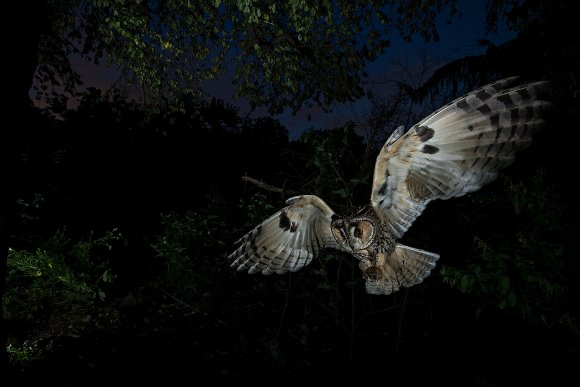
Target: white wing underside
(288, 240)
(454, 151)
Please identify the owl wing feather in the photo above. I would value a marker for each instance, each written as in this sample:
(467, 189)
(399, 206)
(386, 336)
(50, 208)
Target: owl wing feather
(455, 150)
(288, 240)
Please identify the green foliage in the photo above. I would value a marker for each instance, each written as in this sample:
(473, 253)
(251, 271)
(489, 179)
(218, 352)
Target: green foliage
(27, 352)
(529, 271)
(340, 164)
(256, 208)
(26, 213)
(190, 249)
(488, 279)
(53, 289)
(284, 54)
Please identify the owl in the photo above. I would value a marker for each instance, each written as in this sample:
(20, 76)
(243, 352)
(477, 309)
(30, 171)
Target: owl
(454, 151)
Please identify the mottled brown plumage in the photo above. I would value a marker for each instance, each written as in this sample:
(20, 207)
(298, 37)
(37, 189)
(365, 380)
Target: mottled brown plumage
(455, 150)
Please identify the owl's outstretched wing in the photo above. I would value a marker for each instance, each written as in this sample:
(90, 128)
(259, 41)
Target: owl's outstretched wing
(288, 240)
(455, 150)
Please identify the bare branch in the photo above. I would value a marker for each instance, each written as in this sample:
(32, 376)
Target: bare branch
(265, 186)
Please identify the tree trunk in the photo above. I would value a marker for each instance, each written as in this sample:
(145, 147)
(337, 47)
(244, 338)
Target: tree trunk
(31, 20)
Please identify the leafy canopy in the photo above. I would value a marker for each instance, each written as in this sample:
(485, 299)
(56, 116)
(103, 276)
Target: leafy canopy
(283, 53)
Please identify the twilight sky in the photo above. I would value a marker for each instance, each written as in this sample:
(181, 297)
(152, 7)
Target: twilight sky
(456, 40)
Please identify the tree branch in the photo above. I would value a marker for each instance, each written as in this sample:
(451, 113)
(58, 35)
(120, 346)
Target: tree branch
(265, 186)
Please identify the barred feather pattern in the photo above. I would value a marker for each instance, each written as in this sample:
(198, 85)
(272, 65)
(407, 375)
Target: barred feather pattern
(455, 150)
(288, 240)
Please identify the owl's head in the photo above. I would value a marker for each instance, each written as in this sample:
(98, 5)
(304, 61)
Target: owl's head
(355, 234)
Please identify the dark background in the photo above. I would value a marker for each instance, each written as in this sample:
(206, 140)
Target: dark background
(119, 222)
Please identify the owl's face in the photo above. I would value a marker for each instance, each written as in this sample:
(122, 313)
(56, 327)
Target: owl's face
(355, 234)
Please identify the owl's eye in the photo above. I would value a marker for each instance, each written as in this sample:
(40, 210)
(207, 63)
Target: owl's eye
(362, 229)
(361, 234)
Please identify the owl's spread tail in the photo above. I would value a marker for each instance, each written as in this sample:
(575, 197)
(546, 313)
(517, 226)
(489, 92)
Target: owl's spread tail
(406, 266)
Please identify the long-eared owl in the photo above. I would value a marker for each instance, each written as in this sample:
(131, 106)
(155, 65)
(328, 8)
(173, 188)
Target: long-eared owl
(455, 150)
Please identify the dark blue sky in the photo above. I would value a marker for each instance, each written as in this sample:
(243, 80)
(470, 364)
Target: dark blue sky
(456, 41)
(459, 39)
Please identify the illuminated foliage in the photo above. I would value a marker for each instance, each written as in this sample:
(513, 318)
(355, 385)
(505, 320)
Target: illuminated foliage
(283, 53)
